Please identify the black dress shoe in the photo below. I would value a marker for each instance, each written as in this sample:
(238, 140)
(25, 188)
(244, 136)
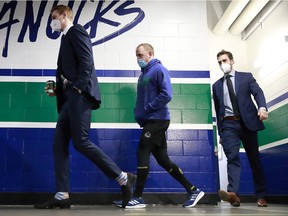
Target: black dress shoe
(54, 203)
(127, 189)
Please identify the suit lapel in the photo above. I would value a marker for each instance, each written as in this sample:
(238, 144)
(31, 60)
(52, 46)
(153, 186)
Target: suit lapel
(222, 96)
(221, 88)
(236, 82)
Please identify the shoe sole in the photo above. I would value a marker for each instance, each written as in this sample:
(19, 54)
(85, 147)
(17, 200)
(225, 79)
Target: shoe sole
(259, 205)
(53, 204)
(199, 197)
(53, 207)
(139, 206)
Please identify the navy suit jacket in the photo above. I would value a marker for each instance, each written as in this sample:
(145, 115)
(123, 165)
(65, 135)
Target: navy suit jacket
(245, 86)
(76, 63)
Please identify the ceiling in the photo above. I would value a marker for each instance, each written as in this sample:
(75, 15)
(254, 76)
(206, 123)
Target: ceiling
(239, 17)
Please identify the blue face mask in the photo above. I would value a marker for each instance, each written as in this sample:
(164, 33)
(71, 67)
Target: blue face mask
(142, 63)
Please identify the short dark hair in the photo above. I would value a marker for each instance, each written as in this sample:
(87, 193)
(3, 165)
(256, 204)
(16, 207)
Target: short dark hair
(61, 9)
(224, 52)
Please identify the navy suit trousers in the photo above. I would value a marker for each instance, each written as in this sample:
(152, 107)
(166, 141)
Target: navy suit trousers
(74, 123)
(233, 132)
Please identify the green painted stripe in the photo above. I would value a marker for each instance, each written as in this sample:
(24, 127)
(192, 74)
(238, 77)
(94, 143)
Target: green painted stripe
(276, 126)
(27, 102)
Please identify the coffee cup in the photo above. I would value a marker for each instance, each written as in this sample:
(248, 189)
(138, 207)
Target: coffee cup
(50, 84)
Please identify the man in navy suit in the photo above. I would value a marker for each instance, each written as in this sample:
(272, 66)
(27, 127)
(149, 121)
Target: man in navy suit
(238, 120)
(77, 92)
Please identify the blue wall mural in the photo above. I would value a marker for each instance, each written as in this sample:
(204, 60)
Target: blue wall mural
(33, 20)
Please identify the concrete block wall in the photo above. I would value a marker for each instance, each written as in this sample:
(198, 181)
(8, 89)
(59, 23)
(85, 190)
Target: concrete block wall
(28, 116)
(26, 145)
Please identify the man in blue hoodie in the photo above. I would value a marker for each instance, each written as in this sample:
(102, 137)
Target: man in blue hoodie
(154, 92)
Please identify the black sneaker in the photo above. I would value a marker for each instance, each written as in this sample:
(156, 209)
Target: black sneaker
(54, 203)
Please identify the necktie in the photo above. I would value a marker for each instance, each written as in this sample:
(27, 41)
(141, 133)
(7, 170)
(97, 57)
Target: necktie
(232, 96)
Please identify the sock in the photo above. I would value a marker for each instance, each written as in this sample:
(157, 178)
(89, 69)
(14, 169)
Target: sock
(61, 195)
(122, 178)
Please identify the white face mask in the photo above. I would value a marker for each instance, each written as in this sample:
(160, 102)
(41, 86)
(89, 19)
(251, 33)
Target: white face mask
(226, 68)
(56, 25)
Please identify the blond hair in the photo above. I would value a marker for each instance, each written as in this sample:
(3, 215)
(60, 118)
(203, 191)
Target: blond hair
(147, 47)
(61, 9)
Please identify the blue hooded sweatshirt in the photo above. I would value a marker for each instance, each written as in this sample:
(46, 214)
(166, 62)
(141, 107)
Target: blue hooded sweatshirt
(154, 92)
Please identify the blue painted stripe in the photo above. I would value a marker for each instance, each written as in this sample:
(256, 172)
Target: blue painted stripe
(103, 73)
(190, 74)
(277, 100)
(49, 72)
(117, 73)
(5, 72)
(27, 72)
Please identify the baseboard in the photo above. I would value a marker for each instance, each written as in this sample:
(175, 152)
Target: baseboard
(273, 199)
(101, 198)
(108, 198)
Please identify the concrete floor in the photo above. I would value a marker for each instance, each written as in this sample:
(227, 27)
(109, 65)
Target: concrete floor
(151, 210)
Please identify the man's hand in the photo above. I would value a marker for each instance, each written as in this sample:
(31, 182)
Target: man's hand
(263, 114)
(49, 93)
